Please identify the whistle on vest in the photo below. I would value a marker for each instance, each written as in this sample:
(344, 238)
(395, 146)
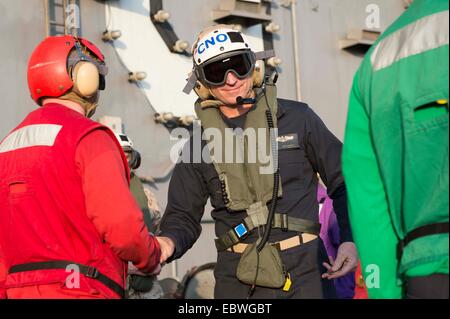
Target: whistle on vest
(288, 283)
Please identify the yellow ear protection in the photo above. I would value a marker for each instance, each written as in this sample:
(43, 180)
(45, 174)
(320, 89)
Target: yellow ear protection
(258, 73)
(86, 79)
(85, 75)
(204, 93)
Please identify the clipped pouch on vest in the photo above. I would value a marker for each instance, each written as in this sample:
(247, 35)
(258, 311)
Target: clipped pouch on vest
(269, 271)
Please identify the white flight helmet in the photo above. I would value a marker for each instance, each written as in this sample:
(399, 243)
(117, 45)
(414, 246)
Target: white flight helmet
(124, 141)
(134, 159)
(218, 51)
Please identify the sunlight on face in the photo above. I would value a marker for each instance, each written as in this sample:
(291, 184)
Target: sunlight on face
(232, 88)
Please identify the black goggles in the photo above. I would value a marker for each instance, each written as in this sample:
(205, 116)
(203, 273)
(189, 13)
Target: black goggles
(215, 71)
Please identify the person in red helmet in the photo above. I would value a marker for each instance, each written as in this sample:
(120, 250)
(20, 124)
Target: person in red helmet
(68, 222)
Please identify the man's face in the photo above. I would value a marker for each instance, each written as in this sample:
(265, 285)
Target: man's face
(232, 88)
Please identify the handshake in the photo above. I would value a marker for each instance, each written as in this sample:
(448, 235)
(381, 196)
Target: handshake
(167, 248)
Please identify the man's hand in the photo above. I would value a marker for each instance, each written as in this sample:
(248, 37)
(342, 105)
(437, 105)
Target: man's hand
(346, 261)
(167, 248)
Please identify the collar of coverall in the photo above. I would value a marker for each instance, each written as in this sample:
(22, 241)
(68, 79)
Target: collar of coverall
(280, 111)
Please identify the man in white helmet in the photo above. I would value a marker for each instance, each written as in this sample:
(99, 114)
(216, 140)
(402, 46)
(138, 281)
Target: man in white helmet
(287, 259)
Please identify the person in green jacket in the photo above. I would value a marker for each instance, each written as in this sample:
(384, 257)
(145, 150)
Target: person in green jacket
(139, 285)
(395, 157)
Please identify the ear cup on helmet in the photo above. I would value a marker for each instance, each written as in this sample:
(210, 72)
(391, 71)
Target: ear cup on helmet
(86, 79)
(135, 160)
(202, 91)
(258, 73)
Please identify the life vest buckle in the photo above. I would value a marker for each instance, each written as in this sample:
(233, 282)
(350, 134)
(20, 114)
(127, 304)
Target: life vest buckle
(92, 272)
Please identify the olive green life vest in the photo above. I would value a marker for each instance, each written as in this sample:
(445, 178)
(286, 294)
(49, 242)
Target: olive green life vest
(141, 283)
(137, 189)
(246, 171)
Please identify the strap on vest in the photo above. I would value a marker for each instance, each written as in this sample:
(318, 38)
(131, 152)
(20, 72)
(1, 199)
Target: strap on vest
(241, 231)
(427, 230)
(257, 215)
(88, 271)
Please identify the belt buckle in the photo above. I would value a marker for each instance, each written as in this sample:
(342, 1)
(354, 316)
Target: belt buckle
(92, 272)
(241, 230)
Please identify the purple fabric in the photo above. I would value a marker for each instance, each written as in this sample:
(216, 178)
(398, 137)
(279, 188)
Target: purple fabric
(329, 232)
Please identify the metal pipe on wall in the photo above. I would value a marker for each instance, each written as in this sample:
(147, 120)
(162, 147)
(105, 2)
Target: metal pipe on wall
(293, 6)
(46, 19)
(64, 7)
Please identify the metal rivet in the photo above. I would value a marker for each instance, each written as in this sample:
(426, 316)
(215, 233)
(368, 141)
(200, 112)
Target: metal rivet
(38, 91)
(61, 87)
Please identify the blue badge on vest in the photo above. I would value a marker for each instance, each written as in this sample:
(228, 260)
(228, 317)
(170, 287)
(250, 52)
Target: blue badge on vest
(240, 230)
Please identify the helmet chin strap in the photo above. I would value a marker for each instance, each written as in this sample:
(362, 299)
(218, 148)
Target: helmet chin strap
(89, 104)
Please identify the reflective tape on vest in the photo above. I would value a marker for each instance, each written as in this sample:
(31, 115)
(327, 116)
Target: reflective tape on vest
(31, 135)
(421, 36)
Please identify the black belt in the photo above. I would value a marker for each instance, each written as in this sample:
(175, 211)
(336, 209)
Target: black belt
(242, 230)
(88, 271)
(427, 230)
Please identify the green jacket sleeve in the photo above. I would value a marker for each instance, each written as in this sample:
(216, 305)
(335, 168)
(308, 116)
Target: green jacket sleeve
(370, 221)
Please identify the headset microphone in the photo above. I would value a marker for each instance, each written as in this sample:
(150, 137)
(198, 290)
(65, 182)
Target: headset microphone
(240, 100)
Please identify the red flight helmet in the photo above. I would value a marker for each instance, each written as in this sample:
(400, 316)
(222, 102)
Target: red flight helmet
(47, 68)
